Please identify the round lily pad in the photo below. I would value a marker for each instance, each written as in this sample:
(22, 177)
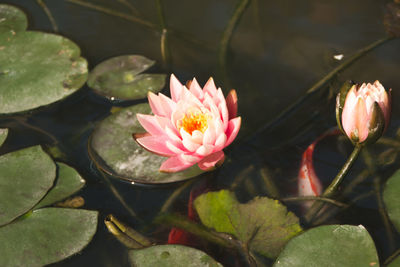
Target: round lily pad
(12, 19)
(113, 148)
(392, 200)
(46, 236)
(25, 177)
(3, 135)
(120, 78)
(170, 256)
(38, 69)
(330, 245)
(67, 183)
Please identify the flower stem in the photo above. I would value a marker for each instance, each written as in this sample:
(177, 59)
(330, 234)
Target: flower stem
(331, 189)
(285, 114)
(49, 15)
(165, 51)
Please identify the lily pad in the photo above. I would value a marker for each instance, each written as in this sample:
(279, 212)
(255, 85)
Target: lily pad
(395, 262)
(3, 135)
(263, 224)
(46, 236)
(38, 69)
(68, 182)
(114, 149)
(119, 78)
(25, 177)
(392, 200)
(330, 245)
(170, 256)
(12, 19)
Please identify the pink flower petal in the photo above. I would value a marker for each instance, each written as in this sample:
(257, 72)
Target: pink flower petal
(155, 104)
(220, 142)
(196, 90)
(204, 150)
(231, 103)
(155, 144)
(233, 129)
(210, 87)
(362, 120)
(174, 164)
(210, 161)
(176, 88)
(150, 124)
(167, 105)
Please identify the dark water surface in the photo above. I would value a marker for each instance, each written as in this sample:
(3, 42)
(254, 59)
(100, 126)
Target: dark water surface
(279, 50)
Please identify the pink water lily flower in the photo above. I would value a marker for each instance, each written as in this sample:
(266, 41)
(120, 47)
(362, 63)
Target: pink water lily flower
(366, 111)
(193, 126)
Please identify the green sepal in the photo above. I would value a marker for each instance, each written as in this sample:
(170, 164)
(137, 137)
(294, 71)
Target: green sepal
(376, 125)
(340, 100)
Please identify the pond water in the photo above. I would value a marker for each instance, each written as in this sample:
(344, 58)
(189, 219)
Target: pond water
(277, 52)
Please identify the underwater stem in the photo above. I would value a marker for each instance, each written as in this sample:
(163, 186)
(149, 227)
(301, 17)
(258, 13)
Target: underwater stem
(49, 15)
(331, 189)
(164, 45)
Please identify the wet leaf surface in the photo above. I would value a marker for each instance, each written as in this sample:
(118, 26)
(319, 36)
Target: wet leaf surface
(47, 235)
(120, 155)
(12, 19)
(67, 183)
(263, 224)
(25, 177)
(38, 69)
(391, 198)
(170, 256)
(330, 245)
(120, 78)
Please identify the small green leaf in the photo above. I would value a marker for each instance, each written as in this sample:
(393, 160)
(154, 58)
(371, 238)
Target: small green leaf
(3, 135)
(170, 256)
(25, 177)
(330, 245)
(68, 182)
(263, 224)
(46, 236)
(38, 69)
(392, 200)
(12, 19)
(113, 148)
(119, 78)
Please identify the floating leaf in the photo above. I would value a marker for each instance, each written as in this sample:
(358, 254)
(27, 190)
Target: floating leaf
(170, 256)
(391, 198)
(123, 158)
(46, 236)
(3, 135)
(330, 245)
(395, 262)
(68, 182)
(263, 224)
(12, 19)
(25, 177)
(119, 78)
(38, 69)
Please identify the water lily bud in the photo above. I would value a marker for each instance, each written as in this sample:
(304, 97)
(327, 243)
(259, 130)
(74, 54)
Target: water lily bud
(363, 112)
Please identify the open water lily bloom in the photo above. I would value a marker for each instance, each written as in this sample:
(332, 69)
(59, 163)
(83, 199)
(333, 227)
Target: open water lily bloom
(193, 126)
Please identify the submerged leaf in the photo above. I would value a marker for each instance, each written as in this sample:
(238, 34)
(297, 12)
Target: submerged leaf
(46, 236)
(3, 135)
(68, 182)
(392, 200)
(170, 256)
(38, 69)
(115, 150)
(119, 78)
(330, 245)
(25, 177)
(263, 224)
(12, 19)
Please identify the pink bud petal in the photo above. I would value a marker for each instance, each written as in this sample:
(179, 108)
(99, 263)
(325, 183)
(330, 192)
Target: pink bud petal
(231, 102)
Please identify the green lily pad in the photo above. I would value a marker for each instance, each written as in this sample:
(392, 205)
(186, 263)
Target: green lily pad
(68, 182)
(392, 200)
(170, 256)
(330, 245)
(25, 177)
(263, 223)
(38, 69)
(3, 135)
(46, 236)
(119, 78)
(114, 149)
(395, 262)
(12, 19)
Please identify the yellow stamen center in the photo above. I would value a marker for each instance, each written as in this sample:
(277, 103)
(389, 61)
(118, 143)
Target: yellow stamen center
(194, 121)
